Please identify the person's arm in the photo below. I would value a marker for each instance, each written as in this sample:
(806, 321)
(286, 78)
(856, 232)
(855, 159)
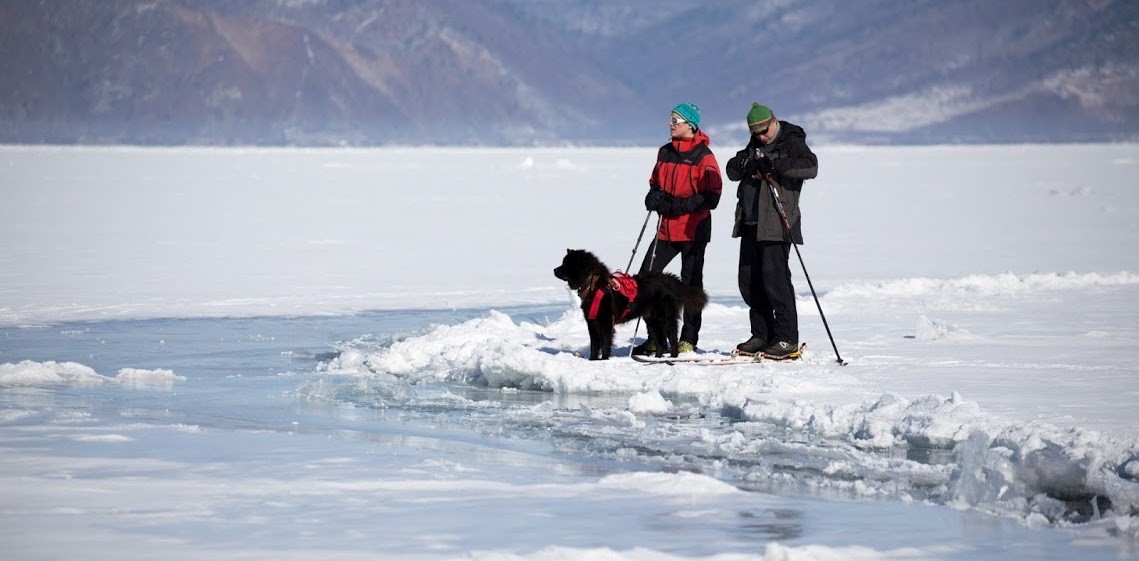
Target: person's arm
(738, 166)
(708, 196)
(656, 200)
(799, 163)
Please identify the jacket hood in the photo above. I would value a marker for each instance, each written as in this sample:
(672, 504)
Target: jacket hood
(786, 130)
(792, 130)
(687, 144)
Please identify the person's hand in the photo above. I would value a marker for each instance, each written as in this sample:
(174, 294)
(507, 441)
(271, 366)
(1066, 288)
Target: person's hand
(745, 162)
(655, 200)
(762, 163)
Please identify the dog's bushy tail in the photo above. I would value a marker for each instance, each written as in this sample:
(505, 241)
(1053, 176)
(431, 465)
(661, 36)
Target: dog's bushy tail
(693, 299)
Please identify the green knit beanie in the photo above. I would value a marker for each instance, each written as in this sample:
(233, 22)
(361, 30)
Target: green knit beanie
(758, 114)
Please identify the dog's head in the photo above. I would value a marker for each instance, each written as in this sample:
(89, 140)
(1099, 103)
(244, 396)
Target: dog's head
(577, 266)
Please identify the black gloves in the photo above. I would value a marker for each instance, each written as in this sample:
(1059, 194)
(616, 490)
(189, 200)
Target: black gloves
(657, 200)
(743, 162)
(751, 162)
(762, 163)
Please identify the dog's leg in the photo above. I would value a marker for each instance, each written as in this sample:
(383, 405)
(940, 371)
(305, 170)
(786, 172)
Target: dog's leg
(594, 339)
(656, 335)
(607, 330)
(673, 337)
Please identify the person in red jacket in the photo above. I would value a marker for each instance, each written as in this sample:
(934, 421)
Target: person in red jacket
(684, 187)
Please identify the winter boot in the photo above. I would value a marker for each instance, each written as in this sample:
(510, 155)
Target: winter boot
(752, 346)
(645, 349)
(780, 350)
(686, 347)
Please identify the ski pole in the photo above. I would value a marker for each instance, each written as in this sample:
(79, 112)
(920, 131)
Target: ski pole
(652, 259)
(787, 228)
(638, 244)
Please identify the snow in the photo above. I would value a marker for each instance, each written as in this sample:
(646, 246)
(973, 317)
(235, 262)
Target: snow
(984, 299)
(49, 373)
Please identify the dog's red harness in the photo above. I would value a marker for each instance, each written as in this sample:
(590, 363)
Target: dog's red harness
(625, 285)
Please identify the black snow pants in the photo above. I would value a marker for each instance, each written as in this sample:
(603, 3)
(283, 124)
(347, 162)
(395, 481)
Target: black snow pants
(691, 274)
(765, 284)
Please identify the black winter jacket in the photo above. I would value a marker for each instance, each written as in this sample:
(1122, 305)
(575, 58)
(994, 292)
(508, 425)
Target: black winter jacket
(792, 162)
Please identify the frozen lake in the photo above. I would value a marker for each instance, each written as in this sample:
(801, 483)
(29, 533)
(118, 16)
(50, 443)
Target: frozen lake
(363, 354)
(254, 454)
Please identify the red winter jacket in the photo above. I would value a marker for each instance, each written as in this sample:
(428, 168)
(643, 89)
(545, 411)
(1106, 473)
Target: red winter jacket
(687, 170)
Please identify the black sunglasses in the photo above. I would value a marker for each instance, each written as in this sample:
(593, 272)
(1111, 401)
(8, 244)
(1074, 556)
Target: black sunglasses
(758, 132)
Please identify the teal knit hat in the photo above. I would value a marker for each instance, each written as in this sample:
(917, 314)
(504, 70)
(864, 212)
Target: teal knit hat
(690, 113)
(758, 114)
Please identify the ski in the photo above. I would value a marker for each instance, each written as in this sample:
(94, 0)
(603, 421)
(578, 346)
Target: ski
(705, 360)
(793, 355)
(718, 359)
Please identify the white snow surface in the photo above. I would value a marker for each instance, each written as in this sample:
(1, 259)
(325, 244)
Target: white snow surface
(984, 298)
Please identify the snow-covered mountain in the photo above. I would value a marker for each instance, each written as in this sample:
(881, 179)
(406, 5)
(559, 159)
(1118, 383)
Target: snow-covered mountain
(520, 72)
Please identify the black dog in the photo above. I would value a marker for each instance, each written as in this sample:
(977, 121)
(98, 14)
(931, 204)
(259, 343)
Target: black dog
(659, 299)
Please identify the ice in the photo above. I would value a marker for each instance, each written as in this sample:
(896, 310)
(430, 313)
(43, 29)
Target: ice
(30, 373)
(401, 377)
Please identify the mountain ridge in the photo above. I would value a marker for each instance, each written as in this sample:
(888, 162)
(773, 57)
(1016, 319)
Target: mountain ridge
(544, 72)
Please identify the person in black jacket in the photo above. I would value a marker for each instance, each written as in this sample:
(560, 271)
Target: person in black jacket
(777, 150)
